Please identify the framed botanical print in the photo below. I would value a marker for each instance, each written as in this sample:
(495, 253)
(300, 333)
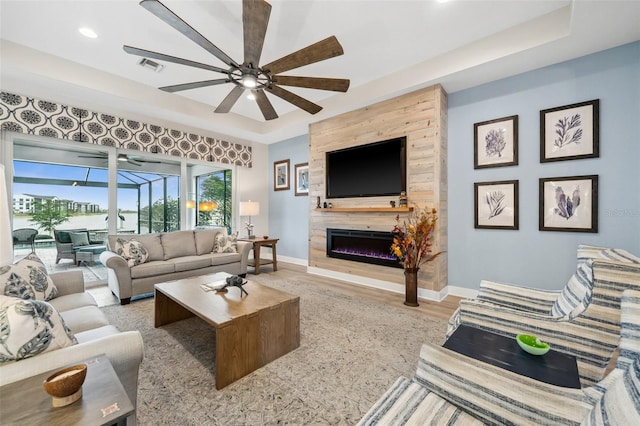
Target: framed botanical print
(496, 143)
(570, 132)
(496, 204)
(569, 204)
(301, 179)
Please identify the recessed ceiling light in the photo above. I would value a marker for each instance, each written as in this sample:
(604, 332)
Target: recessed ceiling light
(87, 32)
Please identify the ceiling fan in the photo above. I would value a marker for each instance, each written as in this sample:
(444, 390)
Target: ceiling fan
(249, 75)
(122, 158)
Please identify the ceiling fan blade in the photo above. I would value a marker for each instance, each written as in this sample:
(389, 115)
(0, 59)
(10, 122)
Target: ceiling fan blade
(164, 13)
(134, 162)
(335, 84)
(169, 58)
(92, 156)
(255, 18)
(325, 49)
(230, 100)
(294, 99)
(265, 106)
(141, 160)
(194, 85)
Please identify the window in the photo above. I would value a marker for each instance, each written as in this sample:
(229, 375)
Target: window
(213, 199)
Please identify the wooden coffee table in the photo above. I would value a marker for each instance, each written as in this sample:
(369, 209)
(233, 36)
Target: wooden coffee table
(251, 331)
(553, 367)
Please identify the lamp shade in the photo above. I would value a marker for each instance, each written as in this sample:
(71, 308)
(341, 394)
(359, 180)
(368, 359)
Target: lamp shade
(6, 238)
(249, 208)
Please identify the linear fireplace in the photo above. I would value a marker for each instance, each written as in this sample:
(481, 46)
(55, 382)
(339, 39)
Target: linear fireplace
(361, 246)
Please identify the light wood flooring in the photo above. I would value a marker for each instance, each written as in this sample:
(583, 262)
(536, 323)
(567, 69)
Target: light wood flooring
(440, 310)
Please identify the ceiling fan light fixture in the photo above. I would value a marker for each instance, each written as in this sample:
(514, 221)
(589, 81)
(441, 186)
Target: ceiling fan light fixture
(249, 81)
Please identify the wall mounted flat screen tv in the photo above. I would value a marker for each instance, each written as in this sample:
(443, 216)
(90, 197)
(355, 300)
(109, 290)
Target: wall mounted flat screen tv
(371, 170)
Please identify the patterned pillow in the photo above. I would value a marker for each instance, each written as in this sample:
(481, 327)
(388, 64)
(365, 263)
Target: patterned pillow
(30, 327)
(576, 295)
(132, 251)
(226, 243)
(27, 279)
(620, 404)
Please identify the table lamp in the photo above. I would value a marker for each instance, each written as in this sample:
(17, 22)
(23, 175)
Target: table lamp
(249, 208)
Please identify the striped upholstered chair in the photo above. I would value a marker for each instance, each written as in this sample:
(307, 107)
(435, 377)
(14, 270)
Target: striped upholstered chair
(452, 389)
(587, 327)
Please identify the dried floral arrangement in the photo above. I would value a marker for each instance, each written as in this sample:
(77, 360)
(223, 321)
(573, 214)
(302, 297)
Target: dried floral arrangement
(412, 238)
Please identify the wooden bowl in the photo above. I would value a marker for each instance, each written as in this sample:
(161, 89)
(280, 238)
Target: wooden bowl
(266, 237)
(65, 386)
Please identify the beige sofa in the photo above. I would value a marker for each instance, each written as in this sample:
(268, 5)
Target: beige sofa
(171, 256)
(95, 337)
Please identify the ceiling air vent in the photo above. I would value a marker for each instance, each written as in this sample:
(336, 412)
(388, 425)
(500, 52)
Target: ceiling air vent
(148, 63)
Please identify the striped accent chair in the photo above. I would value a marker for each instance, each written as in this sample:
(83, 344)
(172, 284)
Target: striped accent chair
(587, 327)
(452, 389)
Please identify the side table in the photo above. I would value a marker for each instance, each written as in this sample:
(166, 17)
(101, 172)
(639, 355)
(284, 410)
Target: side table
(104, 401)
(257, 260)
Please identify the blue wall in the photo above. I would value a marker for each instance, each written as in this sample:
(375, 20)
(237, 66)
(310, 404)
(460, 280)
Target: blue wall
(528, 256)
(289, 214)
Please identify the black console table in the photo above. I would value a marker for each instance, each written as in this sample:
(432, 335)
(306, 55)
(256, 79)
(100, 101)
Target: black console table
(553, 367)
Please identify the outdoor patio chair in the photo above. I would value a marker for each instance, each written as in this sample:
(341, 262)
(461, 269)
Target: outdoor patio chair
(450, 388)
(591, 335)
(25, 236)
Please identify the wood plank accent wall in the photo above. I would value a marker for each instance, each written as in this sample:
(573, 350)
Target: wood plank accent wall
(421, 116)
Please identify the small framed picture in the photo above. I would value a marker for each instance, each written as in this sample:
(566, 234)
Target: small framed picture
(302, 179)
(569, 204)
(496, 143)
(281, 175)
(496, 204)
(570, 132)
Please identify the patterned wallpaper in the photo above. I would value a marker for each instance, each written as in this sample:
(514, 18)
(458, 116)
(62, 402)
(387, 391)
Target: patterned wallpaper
(32, 116)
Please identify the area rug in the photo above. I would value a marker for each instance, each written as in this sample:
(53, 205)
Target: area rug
(351, 351)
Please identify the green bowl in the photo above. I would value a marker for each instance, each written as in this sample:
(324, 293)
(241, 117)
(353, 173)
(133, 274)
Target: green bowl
(532, 344)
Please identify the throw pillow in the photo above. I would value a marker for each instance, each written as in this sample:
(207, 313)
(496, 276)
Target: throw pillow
(132, 251)
(226, 243)
(27, 279)
(576, 295)
(79, 239)
(30, 327)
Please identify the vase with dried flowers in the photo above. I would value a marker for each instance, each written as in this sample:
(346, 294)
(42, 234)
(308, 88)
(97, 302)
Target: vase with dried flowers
(412, 245)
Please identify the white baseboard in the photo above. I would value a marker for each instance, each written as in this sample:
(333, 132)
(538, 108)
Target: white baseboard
(372, 282)
(424, 294)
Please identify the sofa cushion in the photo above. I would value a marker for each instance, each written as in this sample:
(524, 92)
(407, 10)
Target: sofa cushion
(225, 258)
(620, 404)
(133, 251)
(150, 269)
(576, 295)
(73, 301)
(79, 239)
(64, 237)
(178, 244)
(84, 318)
(30, 327)
(205, 239)
(187, 263)
(27, 279)
(96, 333)
(226, 243)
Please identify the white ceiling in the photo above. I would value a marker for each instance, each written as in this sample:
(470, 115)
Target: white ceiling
(391, 47)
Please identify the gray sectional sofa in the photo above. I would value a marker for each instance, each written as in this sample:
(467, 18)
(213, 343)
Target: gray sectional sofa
(94, 334)
(171, 256)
